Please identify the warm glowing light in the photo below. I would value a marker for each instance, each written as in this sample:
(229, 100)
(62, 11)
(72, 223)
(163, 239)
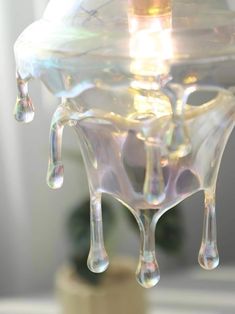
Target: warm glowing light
(150, 7)
(150, 48)
(150, 40)
(150, 44)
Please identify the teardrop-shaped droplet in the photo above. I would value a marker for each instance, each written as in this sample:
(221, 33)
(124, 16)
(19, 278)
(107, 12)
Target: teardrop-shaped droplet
(24, 110)
(55, 175)
(147, 273)
(98, 260)
(208, 256)
(154, 185)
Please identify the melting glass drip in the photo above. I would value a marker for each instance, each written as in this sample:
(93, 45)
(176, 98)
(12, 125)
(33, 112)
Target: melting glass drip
(24, 110)
(147, 273)
(98, 259)
(208, 255)
(115, 141)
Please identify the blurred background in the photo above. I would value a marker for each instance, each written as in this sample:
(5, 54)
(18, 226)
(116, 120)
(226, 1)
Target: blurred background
(33, 241)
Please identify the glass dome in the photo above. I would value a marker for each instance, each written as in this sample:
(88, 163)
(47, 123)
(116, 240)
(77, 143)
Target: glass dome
(199, 29)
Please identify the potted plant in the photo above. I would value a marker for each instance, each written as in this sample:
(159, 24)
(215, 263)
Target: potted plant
(115, 291)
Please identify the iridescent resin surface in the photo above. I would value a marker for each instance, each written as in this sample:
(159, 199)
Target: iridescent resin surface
(148, 87)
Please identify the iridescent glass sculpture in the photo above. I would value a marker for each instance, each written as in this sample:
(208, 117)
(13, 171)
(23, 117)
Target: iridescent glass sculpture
(148, 86)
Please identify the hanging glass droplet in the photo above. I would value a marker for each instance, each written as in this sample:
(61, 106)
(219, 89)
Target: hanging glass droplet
(55, 175)
(98, 260)
(208, 255)
(147, 272)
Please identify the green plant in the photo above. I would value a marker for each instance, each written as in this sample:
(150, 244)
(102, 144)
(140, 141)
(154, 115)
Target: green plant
(169, 234)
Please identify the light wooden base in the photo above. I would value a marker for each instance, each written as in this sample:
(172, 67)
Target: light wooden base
(119, 293)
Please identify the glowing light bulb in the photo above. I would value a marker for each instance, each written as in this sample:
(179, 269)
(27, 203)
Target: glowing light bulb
(150, 7)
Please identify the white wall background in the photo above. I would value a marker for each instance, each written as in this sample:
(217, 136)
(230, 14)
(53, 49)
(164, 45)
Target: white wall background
(32, 241)
(32, 217)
